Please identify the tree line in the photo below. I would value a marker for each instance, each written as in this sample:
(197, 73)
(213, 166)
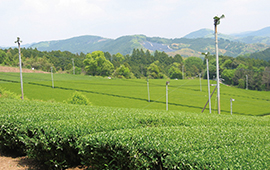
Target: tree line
(143, 63)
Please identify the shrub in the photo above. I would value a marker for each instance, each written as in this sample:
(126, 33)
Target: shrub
(78, 98)
(7, 94)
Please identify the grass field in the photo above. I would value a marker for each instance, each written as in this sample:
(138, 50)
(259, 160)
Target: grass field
(184, 95)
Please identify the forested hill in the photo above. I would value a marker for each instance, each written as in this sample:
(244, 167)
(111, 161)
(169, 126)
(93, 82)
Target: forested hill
(125, 44)
(251, 37)
(75, 45)
(264, 55)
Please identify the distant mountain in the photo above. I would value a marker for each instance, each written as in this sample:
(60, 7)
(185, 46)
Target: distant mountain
(202, 33)
(250, 37)
(207, 33)
(254, 39)
(23, 46)
(264, 55)
(125, 44)
(265, 32)
(260, 36)
(79, 44)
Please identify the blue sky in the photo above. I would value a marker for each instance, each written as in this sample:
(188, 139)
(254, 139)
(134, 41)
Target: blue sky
(44, 20)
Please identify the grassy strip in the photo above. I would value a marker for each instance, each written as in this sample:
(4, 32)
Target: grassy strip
(184, 95)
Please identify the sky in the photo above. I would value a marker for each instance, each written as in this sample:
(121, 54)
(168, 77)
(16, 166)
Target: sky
(46, 20)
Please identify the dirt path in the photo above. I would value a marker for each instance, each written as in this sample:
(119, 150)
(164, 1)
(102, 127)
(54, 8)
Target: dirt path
(17, 69)
(12, 162)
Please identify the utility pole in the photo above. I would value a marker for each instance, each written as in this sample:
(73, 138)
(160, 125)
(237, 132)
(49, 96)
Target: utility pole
(52, 77)
(20, 60)
(216, 23)
(208, 83)
(73, 65)
(231, 104)
(183, 71)
(167, 83)
(148, 90)
(200, 75)
(246, 82)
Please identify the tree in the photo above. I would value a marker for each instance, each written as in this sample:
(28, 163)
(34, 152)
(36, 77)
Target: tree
(2, 56)
(119, 57)
(226, 64)
(174, 71)
(9, 59)
(123, 72)
(193, 65)
(241, 83)
(178, 58)
(266, 77)
(227, 75)
(239, 73)
(154, 71)
(96, 64)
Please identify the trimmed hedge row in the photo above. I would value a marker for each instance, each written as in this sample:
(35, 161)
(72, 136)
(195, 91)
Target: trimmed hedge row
(62, 135)
(197, 147)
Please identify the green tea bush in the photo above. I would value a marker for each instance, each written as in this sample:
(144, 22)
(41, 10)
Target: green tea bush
(196, 147)
(7, 94)
(63, 135)
(78, 98)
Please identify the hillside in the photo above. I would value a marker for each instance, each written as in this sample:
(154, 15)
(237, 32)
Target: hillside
(75, 45)
(226, 47)
(264, 55)
(207, 33)
(250, 37)
(265, 32)
(126, 44)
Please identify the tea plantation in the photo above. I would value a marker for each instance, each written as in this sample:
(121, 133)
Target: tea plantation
(65, 135)
(184, 95)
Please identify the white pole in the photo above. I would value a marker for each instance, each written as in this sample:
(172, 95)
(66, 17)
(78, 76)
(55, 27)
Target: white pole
(246, 82)
(20, 60)
(200, 81)
(73, 66)
(183, 72)
(166, 97)
(52, 77)
(167, 83)
(231, 104)
(217, 77)
(208, 85)
(148, 90)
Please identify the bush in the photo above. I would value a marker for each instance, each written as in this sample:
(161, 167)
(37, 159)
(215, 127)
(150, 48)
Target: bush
(78, 98)
(7, 94)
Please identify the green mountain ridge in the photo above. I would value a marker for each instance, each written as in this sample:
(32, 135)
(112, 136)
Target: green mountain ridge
(208, 33)
(264, 55)
(125, 44)
(250, 37)
(264, 32)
